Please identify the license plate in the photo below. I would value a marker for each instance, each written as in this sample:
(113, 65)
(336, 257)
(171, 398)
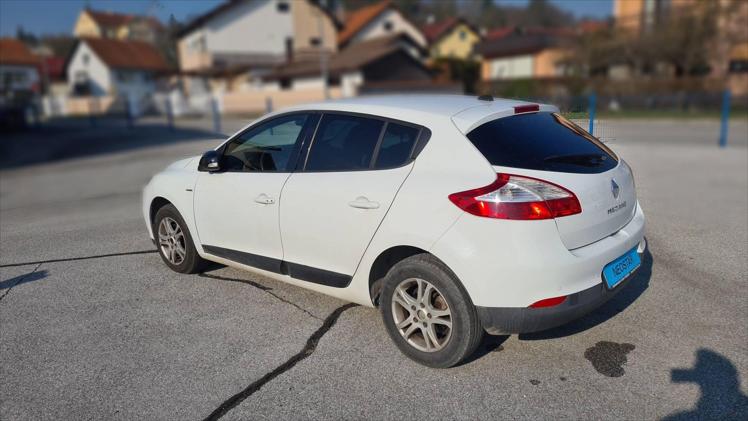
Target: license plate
(620, 269)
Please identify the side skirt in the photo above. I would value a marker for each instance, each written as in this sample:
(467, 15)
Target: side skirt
(294, 270)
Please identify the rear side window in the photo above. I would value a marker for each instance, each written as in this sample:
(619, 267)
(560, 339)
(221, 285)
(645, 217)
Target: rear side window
(542, 141)
(397, 144)
(344, 143)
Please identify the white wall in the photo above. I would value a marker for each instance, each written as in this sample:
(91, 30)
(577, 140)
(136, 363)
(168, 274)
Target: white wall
(19, 78)
(376, 28)
(252, 27)
(97, 72)
(511, 67)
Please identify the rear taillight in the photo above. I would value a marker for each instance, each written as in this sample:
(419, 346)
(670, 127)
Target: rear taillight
(517, 197)
(548, 302)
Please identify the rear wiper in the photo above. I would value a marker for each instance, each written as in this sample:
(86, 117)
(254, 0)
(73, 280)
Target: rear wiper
(585, 160)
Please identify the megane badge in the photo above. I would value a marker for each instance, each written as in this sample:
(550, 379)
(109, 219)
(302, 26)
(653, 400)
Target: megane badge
(614, 188)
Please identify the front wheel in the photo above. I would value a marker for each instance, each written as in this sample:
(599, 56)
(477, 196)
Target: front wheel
(428, 314)
(174, 241)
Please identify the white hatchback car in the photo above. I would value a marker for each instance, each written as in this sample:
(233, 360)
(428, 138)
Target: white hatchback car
(455, 215)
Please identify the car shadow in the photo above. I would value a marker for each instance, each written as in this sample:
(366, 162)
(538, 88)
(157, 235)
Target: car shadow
(636, 287)
(23, 279)
(719, 383)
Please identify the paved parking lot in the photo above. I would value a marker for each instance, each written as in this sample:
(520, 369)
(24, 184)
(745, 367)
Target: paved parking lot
(94, 326)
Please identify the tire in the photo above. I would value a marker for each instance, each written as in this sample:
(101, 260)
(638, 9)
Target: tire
(190, 262)
(446, 300)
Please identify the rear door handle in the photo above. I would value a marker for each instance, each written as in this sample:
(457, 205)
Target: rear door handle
(264, 199)
(362, 202)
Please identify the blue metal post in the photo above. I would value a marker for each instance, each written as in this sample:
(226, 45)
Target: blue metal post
(216, 115)
(725, 119)
(591, 110)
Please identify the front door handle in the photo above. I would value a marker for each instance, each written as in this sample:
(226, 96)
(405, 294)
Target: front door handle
(264, 199)
(362, 202)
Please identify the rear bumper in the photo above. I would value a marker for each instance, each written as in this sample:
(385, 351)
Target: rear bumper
(507, 320)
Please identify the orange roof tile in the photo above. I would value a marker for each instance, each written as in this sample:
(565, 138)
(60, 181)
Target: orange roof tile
(13, 51)
(127, 54)
(359, 18)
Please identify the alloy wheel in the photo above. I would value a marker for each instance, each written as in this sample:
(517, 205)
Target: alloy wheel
(421, 315)
(171, 241)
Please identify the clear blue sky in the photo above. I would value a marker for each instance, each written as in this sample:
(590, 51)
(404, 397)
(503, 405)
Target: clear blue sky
(58, 16)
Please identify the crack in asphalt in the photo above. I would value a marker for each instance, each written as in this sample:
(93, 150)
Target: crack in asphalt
(308, 350)
(261, 287)
(7, 291)
(70, 259)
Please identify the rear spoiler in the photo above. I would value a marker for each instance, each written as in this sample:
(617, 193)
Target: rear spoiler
(473, 117)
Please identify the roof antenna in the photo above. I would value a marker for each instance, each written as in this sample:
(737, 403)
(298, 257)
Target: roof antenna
(485, 98)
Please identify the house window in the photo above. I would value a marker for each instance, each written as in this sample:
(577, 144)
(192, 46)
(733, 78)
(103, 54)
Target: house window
(282, 7)
(285, 83)
(463, 35)
(315, 41)
(738, 66)
(125, 77)
(85, 59)
(388, 26)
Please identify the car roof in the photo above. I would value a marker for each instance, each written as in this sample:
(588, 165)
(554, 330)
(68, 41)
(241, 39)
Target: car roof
(417, 108)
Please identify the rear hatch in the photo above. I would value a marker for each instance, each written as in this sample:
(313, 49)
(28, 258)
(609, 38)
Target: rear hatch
(547, 146)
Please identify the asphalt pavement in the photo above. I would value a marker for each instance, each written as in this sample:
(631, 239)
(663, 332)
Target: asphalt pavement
(94, 326)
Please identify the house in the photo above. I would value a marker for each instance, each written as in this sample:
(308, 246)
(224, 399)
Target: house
(19, 69)
(114, 68)
(375, 61)
(99, 24)
(377, 20)
(452, 38)
(523, 55)
(259, 34)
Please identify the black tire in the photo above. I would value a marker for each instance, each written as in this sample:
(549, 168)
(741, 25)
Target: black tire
(192, 262)
(466, 332)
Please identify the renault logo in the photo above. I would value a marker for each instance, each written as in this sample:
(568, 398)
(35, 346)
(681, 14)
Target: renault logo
(614, 188)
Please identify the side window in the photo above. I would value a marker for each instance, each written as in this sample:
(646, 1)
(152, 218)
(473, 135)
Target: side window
(397, 144)
(268, 147)
(343, 143)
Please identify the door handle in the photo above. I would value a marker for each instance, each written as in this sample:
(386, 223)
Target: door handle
(362, 202)
(264, 199)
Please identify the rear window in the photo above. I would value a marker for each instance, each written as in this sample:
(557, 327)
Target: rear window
(542, 141)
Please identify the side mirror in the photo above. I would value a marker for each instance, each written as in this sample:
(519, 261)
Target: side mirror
(210, 162)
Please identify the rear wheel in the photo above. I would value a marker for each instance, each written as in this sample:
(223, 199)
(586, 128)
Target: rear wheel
(428, 314)
(174, 241)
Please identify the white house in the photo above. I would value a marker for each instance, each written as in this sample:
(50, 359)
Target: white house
(118, 68)
(377, 20)
(258, 33)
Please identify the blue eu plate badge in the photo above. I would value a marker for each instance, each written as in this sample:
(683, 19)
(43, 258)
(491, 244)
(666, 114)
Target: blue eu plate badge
(620, 269)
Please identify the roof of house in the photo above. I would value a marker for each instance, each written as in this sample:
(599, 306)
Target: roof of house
(15, 52)
(359, 18)
(515, 45)
(434, 31)
(351, 58)
(111, 19)
(230, 4)
(127, 54)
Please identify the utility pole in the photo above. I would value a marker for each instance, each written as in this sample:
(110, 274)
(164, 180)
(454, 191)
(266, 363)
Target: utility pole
(323, 68)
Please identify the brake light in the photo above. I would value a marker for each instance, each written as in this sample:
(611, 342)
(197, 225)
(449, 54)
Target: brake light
(518, 198)
(526, 108)
(548, 302)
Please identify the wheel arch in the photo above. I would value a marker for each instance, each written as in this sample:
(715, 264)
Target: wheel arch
(384, 262)
(157, 203)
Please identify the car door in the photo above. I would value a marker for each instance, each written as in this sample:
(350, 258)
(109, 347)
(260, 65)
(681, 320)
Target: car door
(236, 208)
(331, 208)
